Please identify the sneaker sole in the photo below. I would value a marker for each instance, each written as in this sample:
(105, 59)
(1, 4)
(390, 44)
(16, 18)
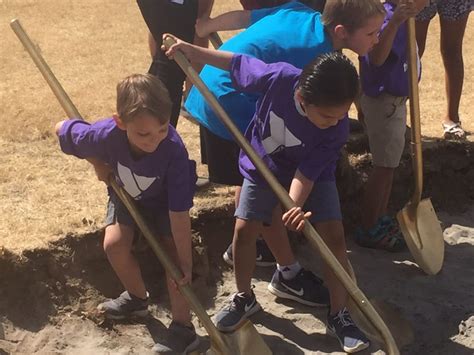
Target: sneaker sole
(359, 347)
(230, 262)
(141, 314)
(233, 328)
(288, 296)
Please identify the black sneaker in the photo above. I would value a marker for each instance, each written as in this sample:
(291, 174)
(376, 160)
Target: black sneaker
(264, 255)
(124, 306)
(240, 307)
(179, 340)
(344, 329)
(305, 288)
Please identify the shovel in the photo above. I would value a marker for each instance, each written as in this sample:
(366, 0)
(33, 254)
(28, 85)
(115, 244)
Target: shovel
(418, 221)
(310, 233)
(245, 340)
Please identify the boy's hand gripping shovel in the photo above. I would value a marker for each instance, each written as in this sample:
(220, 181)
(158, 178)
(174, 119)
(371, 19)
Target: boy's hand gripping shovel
(418, 221)
(310, 233)
(245, 340)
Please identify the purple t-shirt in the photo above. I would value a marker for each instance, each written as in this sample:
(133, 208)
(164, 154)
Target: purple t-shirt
(164, 179)
(392, 76)
(279, 132)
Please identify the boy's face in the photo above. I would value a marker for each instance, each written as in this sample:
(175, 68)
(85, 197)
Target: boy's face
(324, 117)
(362, 40)
(144, 132)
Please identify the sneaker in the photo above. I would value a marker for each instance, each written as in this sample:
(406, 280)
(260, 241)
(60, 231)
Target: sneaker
(240, 307)
(179, 340)
(344, 329)
(264, 255)
(124, 306)
(305, 288)
(385, 234)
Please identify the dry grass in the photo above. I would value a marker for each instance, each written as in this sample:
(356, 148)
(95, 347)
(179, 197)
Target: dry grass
(90, 45)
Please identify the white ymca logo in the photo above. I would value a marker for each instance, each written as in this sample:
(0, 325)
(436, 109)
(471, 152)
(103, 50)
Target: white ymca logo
(280, 136)
(133, 183)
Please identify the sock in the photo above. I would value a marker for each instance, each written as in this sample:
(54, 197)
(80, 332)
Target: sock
(289, 271)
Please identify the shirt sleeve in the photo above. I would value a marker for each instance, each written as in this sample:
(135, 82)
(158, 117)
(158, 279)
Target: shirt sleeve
(251, 75)
(82, 139)
(257, 15)
(181, 177)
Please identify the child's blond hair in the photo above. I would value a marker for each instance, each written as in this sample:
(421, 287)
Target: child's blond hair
(143, 93)
(352, 14)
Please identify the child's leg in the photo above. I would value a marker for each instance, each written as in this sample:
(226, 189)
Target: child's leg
(332, 232)
(244, 252)
(117, 245)
(179, 305)
(376, 195)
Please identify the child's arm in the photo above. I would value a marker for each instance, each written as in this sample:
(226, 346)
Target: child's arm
(405, 9)
(233, 20)
(195, 54)
(181, 230)
(300, 189)
(102, 170)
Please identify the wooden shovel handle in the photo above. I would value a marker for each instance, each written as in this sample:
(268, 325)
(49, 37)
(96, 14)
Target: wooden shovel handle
(417, 154)
(309, 231)
(127, 200)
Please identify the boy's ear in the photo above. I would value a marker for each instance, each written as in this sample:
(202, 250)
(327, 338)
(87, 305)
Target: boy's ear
(298, 96)
(340, 32)
(119, 122)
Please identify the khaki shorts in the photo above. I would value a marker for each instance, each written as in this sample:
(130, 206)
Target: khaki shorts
(385, 119)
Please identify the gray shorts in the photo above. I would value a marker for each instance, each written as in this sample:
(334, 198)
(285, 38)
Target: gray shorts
(257, 202)
(447, 9)
(158, 221)
(385, 120)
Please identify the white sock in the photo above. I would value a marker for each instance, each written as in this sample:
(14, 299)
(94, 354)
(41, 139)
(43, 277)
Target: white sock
(289, 271)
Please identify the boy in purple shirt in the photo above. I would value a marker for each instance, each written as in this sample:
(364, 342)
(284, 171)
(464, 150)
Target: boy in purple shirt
(384, 76)
(298, 129)
(148, 158)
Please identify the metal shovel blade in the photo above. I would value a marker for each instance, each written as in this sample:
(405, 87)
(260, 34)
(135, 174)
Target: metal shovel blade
(423, 234)
(245, 340)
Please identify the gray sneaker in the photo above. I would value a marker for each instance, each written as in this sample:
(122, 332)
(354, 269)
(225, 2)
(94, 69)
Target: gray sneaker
(344, 329)
(179, 340)
(124, 306)
(240, 307)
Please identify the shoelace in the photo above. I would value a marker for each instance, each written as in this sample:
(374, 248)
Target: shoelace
(235, 300)
(344, 318)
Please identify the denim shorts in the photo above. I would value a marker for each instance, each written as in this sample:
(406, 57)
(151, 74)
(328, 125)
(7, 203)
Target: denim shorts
(158, 221)
(447, 9)
(257, 202)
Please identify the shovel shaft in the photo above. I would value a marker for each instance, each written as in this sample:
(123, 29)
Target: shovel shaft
(309, 231)
(128, 201)
(215, 39)
(417, 154)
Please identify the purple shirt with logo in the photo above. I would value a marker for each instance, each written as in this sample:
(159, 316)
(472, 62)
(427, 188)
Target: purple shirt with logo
(280, 132)
(392, 76)
(164, 179)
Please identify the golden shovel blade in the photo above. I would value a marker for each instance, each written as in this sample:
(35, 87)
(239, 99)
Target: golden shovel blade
(245, 340)
(423, 234)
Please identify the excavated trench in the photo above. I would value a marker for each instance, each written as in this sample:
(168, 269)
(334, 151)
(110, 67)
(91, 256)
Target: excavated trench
(48, 296)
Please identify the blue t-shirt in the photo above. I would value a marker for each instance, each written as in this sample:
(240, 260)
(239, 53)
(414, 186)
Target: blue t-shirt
(392, 76)
(280, 132)
(291, 33)
(164, 179)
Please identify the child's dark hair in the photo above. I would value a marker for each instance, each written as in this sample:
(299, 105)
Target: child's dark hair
(329, 80)
(143, 93)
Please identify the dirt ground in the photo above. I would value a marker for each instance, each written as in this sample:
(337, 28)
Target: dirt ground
(52, 269)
